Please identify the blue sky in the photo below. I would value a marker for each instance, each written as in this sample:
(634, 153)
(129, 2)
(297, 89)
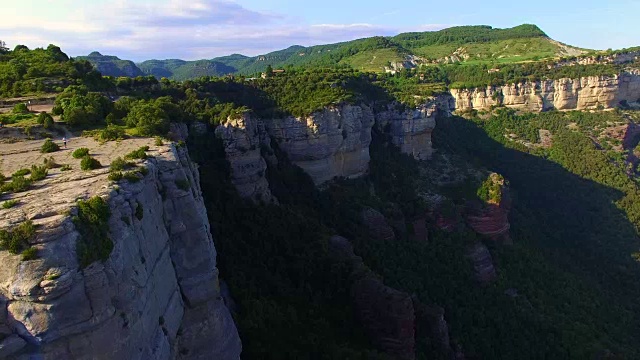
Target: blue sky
(196, 29)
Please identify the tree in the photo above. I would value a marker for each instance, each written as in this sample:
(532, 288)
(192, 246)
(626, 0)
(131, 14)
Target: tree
(148, 118)
(3, 47)
(45, 119)
(269, 71)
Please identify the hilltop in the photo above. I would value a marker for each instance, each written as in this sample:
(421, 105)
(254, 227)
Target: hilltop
(463, 44)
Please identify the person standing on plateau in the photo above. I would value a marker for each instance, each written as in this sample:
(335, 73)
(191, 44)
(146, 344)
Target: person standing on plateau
(64, 141)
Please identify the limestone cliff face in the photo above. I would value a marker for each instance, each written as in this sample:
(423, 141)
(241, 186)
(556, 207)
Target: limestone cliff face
(330, 143)
(161, 276)
(564, 94)
(242, 147)
(411, 130)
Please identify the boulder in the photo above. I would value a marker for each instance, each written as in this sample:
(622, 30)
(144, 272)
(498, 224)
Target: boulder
(482, 262)
(377, 225)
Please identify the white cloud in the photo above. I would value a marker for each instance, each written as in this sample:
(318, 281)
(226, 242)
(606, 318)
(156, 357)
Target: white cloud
(196, 29)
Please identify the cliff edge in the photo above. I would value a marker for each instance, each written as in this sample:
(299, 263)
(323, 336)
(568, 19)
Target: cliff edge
(156, 296)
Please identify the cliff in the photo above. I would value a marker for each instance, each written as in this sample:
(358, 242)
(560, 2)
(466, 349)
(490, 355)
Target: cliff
(330, 143)
(155, 297)
(565, 94)
(333, 142)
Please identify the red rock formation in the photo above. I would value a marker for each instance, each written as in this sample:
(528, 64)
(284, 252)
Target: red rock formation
(377, 225)
(386, 314)
(491, 219)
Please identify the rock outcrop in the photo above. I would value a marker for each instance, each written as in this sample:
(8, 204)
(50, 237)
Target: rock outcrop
(491, 219)
(377, 225)
(330, 143)
(242, 146)
(480, 258)
(386, 313)
(565, 94)
(159, 281)
(410, 130)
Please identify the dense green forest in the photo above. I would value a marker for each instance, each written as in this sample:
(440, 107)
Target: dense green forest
(573, 223)
(24, 71)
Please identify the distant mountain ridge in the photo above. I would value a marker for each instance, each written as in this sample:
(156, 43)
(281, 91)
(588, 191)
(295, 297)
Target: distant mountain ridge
(112, 65)
(462, 44)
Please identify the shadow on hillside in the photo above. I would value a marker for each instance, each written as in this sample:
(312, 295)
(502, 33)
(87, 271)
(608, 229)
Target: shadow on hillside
(574, 221)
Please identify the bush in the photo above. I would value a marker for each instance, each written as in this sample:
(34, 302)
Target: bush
(2, 178)
(115, 176)
(139, 211)
(50, 163)
(183, 184)
(20, 109)
(138, 154)
(65, 167)
(45, 120)
(80, 153)
(17, 240)
(89, 163)
(38, 172)
(131, 176)
(30, 254)
(93, 224)
(9, 204)
(111, 133)
(49, 147)
(158, 141)
(17, 184)
(21, 172)
(118, 164)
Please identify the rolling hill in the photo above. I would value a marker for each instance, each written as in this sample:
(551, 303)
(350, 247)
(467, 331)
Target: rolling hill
(463, 44)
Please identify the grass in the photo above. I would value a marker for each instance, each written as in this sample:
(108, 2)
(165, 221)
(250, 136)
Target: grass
(373, 60)
(9, 204)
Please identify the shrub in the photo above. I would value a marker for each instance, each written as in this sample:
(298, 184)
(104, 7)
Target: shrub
(183, 184)
(20, 109)
(143, 171)
(115, 176)
(17, 184)
(65, 167)
(139, 211)
(138, 154)
(111, 133)
(17, 240)
(38, 172)
(50, 163)
(158, 141)
(21, 172)
(89, 163)
(30, 254)
(9, 204)
(93, 224)
(118, 164)
(2, 178)
(80, 153)
(131, 176)
(45, 120)
(49, 147)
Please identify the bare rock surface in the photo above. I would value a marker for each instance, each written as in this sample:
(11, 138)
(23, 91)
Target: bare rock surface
(377, 225)
(160, 277)
(563, 94)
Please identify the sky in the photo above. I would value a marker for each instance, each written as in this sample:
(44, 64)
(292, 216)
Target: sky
(202, 29)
